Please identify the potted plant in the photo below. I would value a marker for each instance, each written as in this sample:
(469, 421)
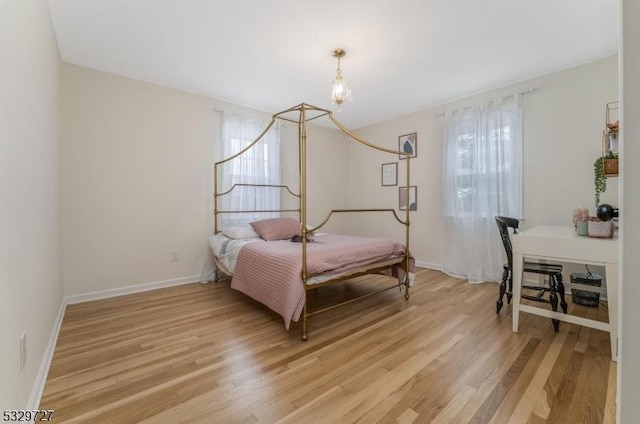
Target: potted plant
(600, 179)
(610, 165)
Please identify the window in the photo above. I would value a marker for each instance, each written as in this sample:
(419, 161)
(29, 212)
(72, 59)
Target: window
(258, 165)
(482, 178)
(483, 162)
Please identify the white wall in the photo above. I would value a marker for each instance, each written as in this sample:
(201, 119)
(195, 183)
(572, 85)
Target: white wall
(137, 169)
(564, 119)
(629, 366)
(366, 190)
(30, 250)
(326, 172)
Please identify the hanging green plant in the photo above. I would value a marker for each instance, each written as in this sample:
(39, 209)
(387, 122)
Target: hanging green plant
(600, 180)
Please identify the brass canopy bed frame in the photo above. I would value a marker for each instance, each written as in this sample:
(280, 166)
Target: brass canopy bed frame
(401, 266)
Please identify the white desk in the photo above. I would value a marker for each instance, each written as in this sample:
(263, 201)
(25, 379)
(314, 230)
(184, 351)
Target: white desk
(561, 244)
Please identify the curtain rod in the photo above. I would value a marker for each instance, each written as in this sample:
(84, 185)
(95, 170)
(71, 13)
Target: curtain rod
(527, 91)
(216, 109)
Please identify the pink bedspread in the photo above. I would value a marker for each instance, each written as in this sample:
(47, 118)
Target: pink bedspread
(270, 272)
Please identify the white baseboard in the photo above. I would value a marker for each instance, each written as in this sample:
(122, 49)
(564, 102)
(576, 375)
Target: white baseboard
(43, 372)
(45, 364)
(104, 294)
(423, 264)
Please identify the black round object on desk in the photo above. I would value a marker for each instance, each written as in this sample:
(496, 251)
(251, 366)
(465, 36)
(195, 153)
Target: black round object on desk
(606, 212)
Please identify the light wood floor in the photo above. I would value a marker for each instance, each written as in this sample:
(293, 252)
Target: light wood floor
(205, 353)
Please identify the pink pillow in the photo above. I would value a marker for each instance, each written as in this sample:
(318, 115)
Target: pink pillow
(276, 228)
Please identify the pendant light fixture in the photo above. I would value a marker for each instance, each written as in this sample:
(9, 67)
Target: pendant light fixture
(340, 90)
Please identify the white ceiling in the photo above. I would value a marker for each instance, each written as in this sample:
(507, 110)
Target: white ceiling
(402, 56)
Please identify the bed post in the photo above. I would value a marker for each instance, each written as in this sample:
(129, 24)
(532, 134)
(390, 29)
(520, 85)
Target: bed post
(216, 275)
(407, 226)
(408, 184)
(302, 151)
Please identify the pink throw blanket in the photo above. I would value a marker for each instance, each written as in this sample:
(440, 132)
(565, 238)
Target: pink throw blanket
(270, 272)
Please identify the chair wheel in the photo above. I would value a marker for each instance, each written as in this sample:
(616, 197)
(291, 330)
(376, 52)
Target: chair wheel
(556, 325)
(498, 306)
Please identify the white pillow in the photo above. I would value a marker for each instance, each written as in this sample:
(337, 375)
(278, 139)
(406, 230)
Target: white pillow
(245, 232)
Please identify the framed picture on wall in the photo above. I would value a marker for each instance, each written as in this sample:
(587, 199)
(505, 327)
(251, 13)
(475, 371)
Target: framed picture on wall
(408, 143)
(413, 198)
(390, 174)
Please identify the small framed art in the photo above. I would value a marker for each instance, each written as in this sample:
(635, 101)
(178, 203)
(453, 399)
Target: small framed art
(408, 143)
(390, 174)
(413, 198)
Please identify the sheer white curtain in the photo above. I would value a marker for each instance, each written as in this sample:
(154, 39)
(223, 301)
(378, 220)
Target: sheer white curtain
(258, 165)
(482, 178)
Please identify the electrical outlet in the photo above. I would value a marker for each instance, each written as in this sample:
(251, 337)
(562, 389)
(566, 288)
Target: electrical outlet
(23, 349)
(175, 255)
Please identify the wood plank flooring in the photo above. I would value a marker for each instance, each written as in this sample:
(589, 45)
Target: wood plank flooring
(206, 353)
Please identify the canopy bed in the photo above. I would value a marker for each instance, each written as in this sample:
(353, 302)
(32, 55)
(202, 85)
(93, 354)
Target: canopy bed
(278, 261)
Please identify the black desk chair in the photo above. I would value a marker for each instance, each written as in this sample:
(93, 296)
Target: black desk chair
(553, 272)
